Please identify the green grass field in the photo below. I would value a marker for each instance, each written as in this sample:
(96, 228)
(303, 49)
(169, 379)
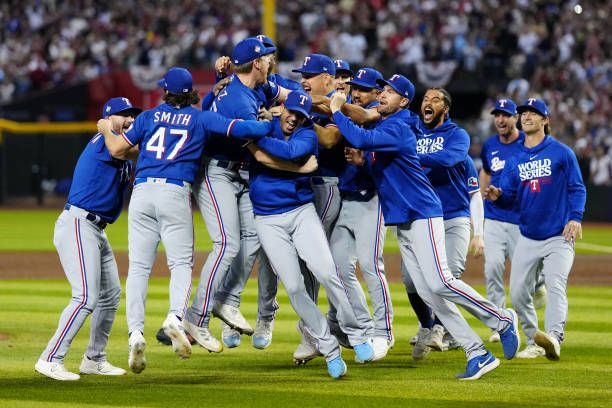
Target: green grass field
(245, 377)
(32, 230)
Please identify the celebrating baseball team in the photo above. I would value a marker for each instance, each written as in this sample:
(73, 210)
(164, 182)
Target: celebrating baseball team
(304, 178)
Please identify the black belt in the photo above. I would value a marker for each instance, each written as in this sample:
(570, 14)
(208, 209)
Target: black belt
(228, 164)
(318, 181)
(363, 195)
(95, 219)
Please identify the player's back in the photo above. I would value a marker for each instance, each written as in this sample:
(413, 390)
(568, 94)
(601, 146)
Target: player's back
(170, 140)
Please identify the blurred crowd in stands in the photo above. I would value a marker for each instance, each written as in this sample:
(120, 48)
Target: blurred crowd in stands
(558, 50)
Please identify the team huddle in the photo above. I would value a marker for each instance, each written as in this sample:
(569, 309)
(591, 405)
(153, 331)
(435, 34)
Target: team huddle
(304, 178)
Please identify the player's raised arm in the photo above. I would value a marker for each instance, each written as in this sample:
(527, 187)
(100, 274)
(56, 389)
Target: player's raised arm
(242, 129)
(118, 146)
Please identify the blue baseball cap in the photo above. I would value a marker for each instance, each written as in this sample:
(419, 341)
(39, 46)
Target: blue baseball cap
(535, 105)
(117, 105)
(299, 101)
(317, 64)
(366, 78)
(250, 49)
(506, 106)
(265, 40)
(400, 84)
(177, 81)
(343, 66)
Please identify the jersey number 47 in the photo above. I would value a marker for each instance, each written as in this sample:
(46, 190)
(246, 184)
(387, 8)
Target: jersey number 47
(157, 143)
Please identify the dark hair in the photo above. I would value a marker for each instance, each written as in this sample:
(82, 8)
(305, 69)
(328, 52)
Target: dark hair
(245, 68)
(182, 100)
(445, 94)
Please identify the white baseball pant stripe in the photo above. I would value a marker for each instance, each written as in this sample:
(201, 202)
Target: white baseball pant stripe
(158, 212)
(555, 257)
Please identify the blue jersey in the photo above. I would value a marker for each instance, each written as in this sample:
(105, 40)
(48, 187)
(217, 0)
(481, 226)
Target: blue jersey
(355, 182)
(404, 191)
(171, 140)
(274, 191)
(238, 101)
(99, 181)
(442, 152)
(547, 183)
(286, 83)
(331, 161)
(494, 156)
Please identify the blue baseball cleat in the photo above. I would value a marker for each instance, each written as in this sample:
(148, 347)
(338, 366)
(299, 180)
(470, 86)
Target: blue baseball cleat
(364, 352)
(479, 366)
(336, 367)
(229, 336)
(510, 338)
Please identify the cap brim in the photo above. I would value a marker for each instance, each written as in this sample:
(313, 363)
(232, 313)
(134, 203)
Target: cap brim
(305, 71)
(383, 82)
(268, 50)
(524, 108)
(348, 71)
(363, 84)
(494, 111)
(135, 110)
(299, 110)
(161, 83)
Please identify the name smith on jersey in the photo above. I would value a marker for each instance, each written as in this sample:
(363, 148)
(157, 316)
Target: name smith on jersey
(170, 118)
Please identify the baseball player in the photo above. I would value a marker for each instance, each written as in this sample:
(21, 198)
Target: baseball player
(501, 226)
(409, 201)
(85, 253)
(344, 74)
(223, 199)
(442, 149)
(237, 275)
(289, 229)
(359, 234)
(545, 179)
(170, 138)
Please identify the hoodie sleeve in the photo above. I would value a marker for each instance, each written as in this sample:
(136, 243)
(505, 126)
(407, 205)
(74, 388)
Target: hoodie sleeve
(455, 151)
(575, 186)
(300, 145)
(387, 137)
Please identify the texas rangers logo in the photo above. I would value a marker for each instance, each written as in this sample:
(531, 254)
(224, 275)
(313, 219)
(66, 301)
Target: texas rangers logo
(535, 173)
(502, 103)
(127, 101)
(534, 185)
(338, 63)
(360, 73)
(306, 60)
(303, 99)
(394, 77)
(472, 182)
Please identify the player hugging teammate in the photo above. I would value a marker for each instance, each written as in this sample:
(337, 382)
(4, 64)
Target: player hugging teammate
(309, 192)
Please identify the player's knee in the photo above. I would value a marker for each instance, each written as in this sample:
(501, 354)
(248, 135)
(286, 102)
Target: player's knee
(114, 296)
(294, 289)
(438, 287)
(519, 295)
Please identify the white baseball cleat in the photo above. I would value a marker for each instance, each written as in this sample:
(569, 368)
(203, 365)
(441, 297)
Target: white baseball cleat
(494, 338)
(136, 359)
(232, 317)
(381, 347)
(421, 349)
(539, 297)
(550, 344)
(262, 337)
(230, 337)
(99, 367)
(203, 337)
(436, 338)
(55, 370)
(531, 351)
(306, 350)
(174, 329)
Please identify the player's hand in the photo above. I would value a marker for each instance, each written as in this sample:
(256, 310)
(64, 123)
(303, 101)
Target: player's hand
(222, 65)
(220, 85)
(572, 231)
(311, 165)
(264, 115)
(104, 126)
(276, 110)
(338, 99)
(477, 246)
(492, 193)
(354, 156)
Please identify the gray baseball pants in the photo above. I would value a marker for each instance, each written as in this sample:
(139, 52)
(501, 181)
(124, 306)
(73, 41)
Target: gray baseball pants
(159, 212)
(555, 257)
(89, 264)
